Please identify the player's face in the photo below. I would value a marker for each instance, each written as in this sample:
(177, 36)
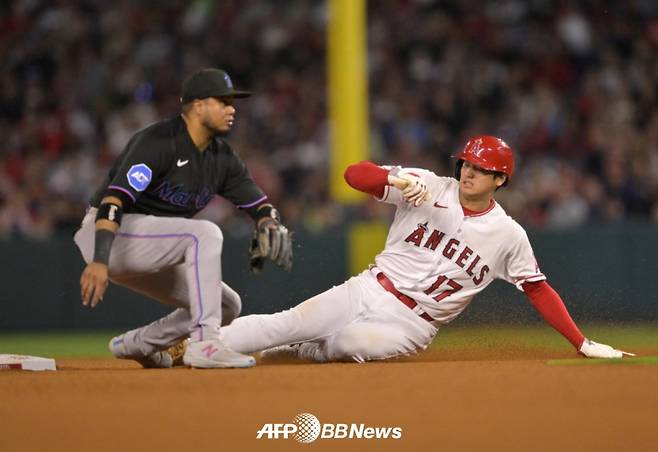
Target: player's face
(219, 114)
(477, 182)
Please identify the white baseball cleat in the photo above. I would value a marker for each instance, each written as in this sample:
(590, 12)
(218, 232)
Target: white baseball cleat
(157, 360)
(281, 351)
(214, 354)
(593, 349)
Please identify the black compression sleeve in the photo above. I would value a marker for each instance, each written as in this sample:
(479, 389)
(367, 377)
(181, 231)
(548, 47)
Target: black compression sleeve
(125, 199)
(263, 210)
(103, 245)
(110, 211)
(255, 212)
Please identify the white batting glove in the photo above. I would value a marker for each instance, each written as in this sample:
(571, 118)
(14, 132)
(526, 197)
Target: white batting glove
(593, 349)
(413, 187)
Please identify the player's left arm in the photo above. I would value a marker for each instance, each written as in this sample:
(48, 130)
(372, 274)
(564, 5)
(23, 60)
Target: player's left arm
(551, 307)
(523, 270)
(271, 239)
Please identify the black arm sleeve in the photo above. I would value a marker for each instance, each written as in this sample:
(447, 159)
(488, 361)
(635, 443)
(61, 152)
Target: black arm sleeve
(103, 246)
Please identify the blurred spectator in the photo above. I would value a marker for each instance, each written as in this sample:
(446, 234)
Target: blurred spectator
(572, 86)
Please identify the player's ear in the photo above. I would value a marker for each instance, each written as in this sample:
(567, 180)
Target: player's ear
(500, 179)
(199, 105)
(191, 107)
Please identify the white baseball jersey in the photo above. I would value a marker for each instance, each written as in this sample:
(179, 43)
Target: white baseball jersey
(442, 257)
(435, 254)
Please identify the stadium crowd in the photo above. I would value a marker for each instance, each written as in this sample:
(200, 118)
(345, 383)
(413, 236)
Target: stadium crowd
(570, 85)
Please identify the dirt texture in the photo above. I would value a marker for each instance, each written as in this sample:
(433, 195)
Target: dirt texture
(456, 401)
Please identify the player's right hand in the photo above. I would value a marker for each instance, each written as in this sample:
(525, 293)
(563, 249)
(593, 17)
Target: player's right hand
(93, 283)
(593, 349)
(413, 187)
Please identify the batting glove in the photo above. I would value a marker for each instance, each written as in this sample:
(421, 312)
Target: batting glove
(593, 349)
(413, 187)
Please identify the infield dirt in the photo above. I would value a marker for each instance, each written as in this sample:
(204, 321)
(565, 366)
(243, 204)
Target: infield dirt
(444, 401)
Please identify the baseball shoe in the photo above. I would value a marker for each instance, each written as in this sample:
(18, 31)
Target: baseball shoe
(162, 359)
(281, 351)
(214, 354)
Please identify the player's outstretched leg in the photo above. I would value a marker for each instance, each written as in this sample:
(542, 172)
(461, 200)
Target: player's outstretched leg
(154, 345)
(357, 342)
(368, 341)
(311, 351)
(316, 318)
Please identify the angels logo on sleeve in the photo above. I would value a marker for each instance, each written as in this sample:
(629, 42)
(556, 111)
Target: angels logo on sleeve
(139, 176)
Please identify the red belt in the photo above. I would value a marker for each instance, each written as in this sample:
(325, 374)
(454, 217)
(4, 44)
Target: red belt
(408, 301)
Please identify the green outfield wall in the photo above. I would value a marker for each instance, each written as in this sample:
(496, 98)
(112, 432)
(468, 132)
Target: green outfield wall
(602, 273)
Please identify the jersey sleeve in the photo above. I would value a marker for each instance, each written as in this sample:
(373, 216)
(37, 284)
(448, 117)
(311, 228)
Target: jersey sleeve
(520, 264)
(140, 164)
(367, 177)
(239, 187)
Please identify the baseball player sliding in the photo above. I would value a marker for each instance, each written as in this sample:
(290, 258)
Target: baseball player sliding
(448, 241)
(139, 233)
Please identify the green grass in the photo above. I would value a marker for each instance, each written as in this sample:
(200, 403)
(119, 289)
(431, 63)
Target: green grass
(527, 337)
(637, 360)
(542, 337)
(57, 344)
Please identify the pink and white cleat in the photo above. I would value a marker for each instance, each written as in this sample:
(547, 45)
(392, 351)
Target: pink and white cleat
(214, 354)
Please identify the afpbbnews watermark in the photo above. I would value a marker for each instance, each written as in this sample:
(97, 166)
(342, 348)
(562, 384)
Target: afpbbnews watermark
(306, 428)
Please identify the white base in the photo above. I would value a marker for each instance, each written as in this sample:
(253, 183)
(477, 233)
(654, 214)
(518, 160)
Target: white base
(25, 362)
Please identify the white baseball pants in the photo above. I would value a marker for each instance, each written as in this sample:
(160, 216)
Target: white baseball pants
(356, 321)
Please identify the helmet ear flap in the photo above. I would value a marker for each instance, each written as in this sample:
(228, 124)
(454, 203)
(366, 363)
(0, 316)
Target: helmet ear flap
(458, 169)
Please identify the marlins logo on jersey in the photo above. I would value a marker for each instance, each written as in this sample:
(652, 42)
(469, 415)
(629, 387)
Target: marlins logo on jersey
(139, 176)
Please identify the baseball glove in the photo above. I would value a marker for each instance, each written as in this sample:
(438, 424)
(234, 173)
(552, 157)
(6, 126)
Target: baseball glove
(271, 240)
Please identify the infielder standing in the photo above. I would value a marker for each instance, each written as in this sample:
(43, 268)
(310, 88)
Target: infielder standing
(448, 241)
(139, 232)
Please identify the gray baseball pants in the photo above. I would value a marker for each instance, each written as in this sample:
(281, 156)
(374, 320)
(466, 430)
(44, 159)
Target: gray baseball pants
(176, 261)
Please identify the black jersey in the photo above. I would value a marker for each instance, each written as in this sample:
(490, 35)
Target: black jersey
(165, 174)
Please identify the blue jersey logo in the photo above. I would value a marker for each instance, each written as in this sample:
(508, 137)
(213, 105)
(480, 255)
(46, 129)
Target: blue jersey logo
(139, 176)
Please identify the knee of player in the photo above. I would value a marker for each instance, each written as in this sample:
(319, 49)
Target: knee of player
(361, 343)
(209, 233)
(348, 344)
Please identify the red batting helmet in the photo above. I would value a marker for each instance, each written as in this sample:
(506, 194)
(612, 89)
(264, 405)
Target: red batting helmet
(487, 152)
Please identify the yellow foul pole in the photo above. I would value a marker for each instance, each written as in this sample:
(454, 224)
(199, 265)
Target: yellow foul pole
(348, 92)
